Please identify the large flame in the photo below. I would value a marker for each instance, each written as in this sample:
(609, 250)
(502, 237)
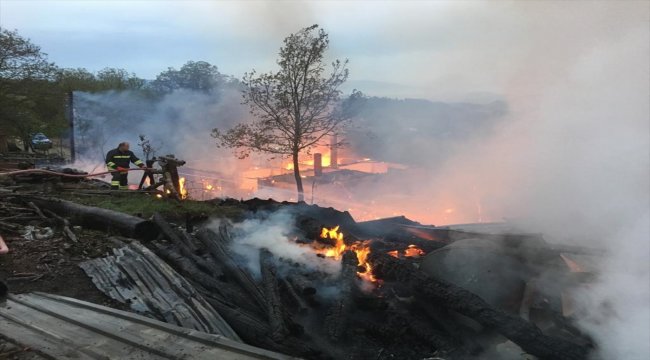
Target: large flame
(326, 159)
(361, 248)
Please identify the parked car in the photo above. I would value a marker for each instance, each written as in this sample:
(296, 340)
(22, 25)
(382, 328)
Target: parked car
(41, 142)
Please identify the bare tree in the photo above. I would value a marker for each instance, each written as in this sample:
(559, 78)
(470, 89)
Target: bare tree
(295, 107)
(147, 149)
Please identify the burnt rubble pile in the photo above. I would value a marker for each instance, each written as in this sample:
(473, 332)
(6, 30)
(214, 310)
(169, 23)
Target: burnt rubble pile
(411, 291)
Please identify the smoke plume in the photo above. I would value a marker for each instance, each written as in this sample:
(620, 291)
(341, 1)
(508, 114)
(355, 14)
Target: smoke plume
(274, 232)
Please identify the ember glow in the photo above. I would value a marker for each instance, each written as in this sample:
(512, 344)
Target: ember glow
(571, 264)
(361, 248)
(410, 251)
(413, 251)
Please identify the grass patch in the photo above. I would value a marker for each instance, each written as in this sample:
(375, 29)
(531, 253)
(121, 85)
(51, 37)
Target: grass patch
(146, 205)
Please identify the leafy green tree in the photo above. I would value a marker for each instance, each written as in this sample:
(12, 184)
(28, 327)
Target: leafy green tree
(194, 75)
(20, 59)
(295, 107)
(118, 79)
(78, 79)
(26, 94)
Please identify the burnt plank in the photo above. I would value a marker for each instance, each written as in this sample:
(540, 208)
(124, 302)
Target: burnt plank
(274, 311)
(336, 320)
(215, 245)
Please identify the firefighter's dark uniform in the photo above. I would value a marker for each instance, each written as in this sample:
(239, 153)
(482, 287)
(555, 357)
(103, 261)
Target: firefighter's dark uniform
(116, 158)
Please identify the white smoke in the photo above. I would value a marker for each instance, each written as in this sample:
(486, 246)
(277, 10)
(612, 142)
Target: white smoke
(274, 233)
(178, 123)
(573, 159)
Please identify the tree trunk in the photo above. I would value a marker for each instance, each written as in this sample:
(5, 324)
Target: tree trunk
(296, 174)
(27, 144)
(100, 219)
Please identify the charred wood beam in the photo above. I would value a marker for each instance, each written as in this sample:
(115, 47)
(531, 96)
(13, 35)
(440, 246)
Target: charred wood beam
(65, 224)
(255, 331)
(296, 302)
(336, 320)
(423, 330)
(210, 285)
(525, 334)
(101, 219)
(274, 310)
(215, 245)
(185, 246)
(14, 228)
(37, 210)
(167, 231)
(302, 285)
(441, 318)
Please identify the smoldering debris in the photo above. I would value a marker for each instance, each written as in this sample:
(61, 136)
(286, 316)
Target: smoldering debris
(383, 301)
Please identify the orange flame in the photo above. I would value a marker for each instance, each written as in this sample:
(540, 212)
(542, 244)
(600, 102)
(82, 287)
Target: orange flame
(326, 160)
(183, 189)
(361, 248)
(339, 244)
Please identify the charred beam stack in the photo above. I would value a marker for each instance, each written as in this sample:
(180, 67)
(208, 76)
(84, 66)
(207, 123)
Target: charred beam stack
(283, 306)
(444, 294)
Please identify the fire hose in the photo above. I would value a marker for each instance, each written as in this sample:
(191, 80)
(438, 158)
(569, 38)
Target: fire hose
(50, 172)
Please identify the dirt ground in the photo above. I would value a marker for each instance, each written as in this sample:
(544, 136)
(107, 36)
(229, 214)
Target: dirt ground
(52, 265)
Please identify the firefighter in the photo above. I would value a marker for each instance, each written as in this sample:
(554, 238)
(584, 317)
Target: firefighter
(119, 160)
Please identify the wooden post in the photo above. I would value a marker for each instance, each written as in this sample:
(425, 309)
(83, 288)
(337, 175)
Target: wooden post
(334, 151)
(69, 114)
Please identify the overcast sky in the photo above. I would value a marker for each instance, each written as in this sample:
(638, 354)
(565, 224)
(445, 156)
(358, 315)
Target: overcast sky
(429, 49)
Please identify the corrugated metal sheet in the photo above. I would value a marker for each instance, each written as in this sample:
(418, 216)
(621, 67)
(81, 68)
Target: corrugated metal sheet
(136, 276)
(66, 328)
